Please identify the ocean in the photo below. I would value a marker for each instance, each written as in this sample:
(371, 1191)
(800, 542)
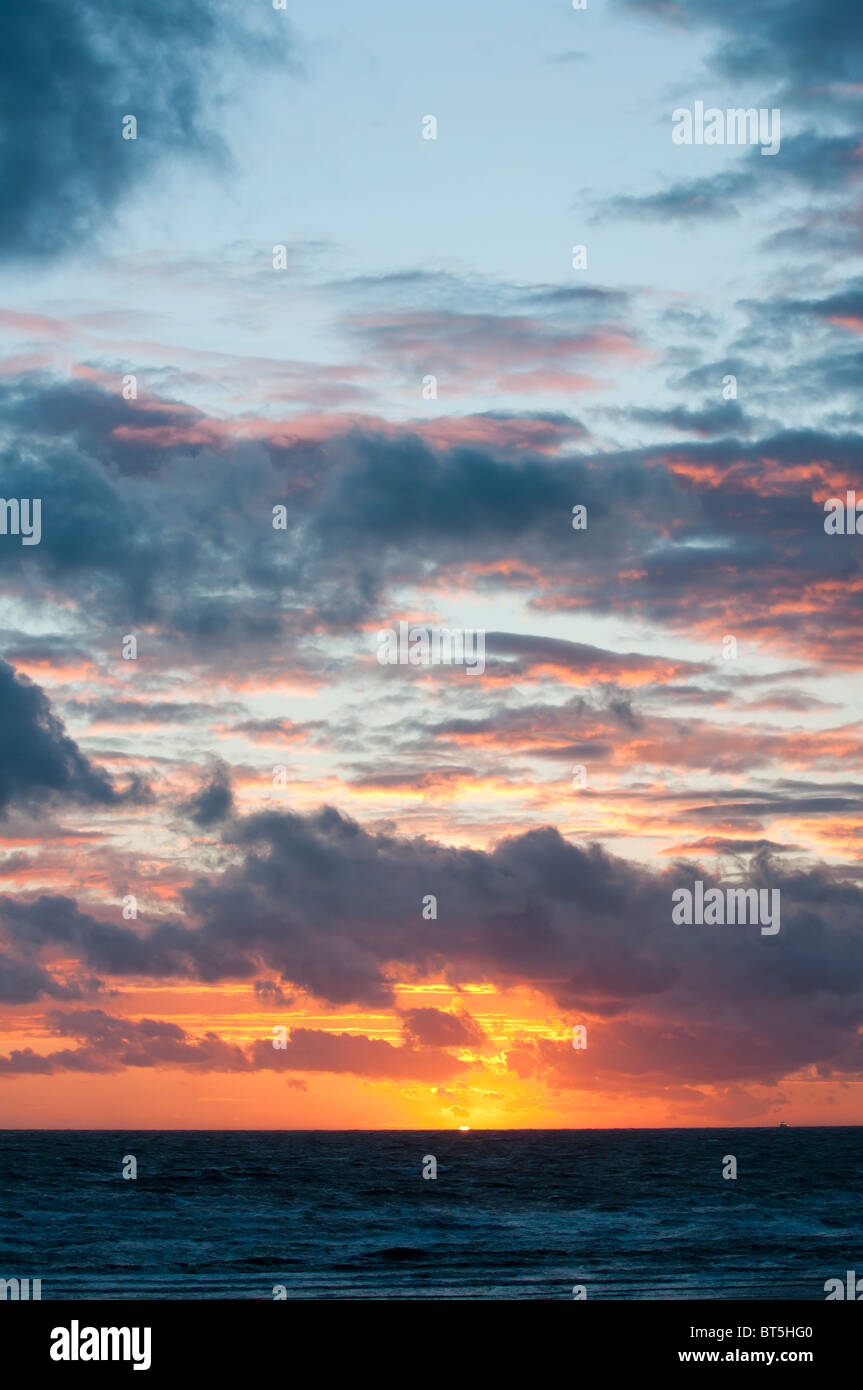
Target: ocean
(512, 1214)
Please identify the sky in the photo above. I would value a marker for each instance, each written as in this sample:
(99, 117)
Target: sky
(305, 352)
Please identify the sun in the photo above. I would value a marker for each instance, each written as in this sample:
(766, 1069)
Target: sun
(465, 1129)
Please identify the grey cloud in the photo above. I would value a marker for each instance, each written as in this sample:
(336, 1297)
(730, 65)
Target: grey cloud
(38, 761)
(69, 74)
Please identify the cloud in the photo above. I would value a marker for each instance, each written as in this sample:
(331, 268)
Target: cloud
(791, 41)
(312, 1049)
(135, 713)
(527, 657)
(109, 1044)
(679, 532)
(270, 993)
(436, 1028)
(70, 74)
(819, 164)
(573, 55)
(321, 904)
(38, 761)
(214, 801)
(515, 352)
(22, 981)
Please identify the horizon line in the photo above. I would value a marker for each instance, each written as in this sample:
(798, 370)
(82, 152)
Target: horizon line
(424, 1129)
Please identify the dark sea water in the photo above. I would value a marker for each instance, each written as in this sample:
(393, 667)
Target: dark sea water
(631, 1214)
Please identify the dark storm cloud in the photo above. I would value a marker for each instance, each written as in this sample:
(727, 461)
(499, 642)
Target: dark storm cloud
(190, 545)
(69, 74)
(434, 498)
(214, 801)
(131, 544)
(23, 981)
(94, 538)
(798, 42)
(321, 903)
(38, 761)
(97, 421)
(170, 950)
(144, 547)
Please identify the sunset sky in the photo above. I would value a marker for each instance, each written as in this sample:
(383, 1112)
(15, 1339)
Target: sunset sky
(295, 899)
